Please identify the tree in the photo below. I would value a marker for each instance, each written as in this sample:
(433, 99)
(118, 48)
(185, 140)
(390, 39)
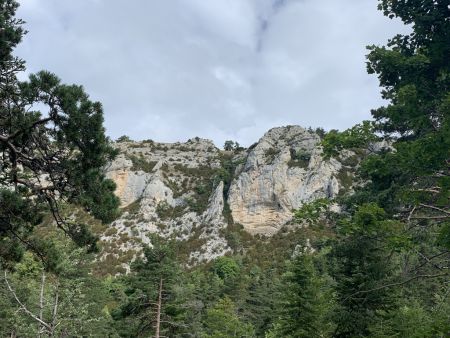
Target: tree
(412, 183)
(226, 268)
(65, 302)
(359, 136)
(124, 138)
(153, 306)
(260, 299)
(49, 156)
(413, 320)
(228, 146)
(307, 301)
(393, 248)
(414, 72)
(232, 146)
(222, 322)
(363, 262)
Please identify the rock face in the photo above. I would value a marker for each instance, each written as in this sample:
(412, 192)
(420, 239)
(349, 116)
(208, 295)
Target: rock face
(181, 190)
(284, 170)
(167, 189)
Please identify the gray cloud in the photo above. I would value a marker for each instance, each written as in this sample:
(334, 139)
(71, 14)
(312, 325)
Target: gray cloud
(220, 69)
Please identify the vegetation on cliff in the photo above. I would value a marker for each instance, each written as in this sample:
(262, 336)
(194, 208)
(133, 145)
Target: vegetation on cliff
(378, 268)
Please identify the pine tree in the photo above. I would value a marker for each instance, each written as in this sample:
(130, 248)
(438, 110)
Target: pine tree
(307, 301)
(154, 305)
(363, 261)
(222, 322)
(261, 298)
(48, 156)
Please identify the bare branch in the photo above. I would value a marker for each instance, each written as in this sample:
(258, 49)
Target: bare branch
(435, 208)
(41, 302)
(430, 217)
(395, 284)
(434, 190)
(28, 312)
(55, 307)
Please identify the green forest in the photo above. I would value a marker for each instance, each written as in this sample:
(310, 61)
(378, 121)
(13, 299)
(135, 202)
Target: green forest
(378, 268)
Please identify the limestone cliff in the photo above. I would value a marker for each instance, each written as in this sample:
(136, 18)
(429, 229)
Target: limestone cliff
(284, 170)
(185, 190)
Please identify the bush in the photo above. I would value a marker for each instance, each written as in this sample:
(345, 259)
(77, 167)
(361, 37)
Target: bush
(299, 158)
(226, 268)
(140, 163)
(270, 155)
(124, 138)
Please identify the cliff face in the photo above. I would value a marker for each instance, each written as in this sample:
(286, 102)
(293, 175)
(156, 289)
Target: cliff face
(181, 190)
(284, 170)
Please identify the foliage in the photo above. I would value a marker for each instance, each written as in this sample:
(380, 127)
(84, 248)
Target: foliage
(311, 212)
(232, 146)
(413, 320)
(123, 138)
(228, 146)
(378, 269)
(361, 263)
(321, 132)
(165, 211)
(359, 136)
(137, 316)
(206, 180)
(299, 158)
(222, 322)
(140, 163)
(270, 154)
(80, 298)
(226, 268)
(307, 302)
(50, 155)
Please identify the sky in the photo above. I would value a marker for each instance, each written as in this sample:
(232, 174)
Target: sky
(170, 70)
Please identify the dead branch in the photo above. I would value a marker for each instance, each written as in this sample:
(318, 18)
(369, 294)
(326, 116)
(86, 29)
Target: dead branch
(435, 208)
(395, 284)
(24, 308)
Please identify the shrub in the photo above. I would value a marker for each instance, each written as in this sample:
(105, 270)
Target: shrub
(270, 155)
(299, 158)
(124, 138)
(140, 163)
(226, 268)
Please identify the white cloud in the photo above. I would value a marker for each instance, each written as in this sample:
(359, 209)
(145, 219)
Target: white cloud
(222, 69)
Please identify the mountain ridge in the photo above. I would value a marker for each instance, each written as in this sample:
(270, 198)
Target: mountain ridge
(193, 191)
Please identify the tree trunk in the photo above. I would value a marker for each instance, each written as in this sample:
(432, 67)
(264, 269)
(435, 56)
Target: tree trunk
(55, 311)
(158, 309)
(41, 328)
(24, 308)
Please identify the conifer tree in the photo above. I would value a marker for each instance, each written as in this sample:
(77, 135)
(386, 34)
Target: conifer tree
(307, 301)
(222, 322)
(414, 73)
(53, 149)
(395, 254)
(153, 306)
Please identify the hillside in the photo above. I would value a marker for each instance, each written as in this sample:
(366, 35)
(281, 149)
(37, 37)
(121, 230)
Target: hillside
(193, 191)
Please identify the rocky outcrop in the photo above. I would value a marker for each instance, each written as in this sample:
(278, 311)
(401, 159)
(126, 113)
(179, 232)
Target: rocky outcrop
(167, 189)
(284, 170)
(177, 190)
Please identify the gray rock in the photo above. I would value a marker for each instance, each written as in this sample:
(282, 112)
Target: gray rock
(280, 173)
(273, 183)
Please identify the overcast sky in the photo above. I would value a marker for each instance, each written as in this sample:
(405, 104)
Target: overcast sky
(170, 70)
